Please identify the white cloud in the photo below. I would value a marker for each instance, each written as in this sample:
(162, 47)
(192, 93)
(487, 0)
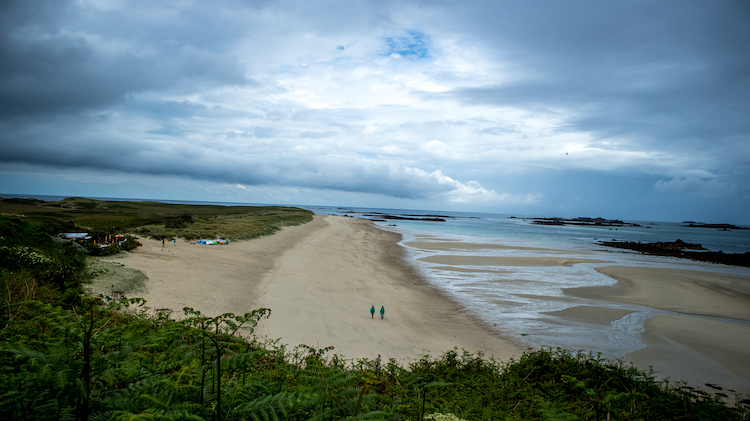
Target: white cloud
(471, 191)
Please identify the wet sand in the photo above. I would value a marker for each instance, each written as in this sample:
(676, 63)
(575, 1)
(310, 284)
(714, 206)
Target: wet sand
(697, 349)
(707, 342)
(682, 291)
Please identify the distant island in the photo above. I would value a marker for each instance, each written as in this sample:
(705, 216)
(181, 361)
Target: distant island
(723, 227)
(382, 217)
(586, 221)
(602, 222)
(683, 250)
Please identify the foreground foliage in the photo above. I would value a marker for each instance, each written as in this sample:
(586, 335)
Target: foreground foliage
(34, 267)
(98, 363)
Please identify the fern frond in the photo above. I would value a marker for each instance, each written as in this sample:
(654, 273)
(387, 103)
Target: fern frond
(272, 407)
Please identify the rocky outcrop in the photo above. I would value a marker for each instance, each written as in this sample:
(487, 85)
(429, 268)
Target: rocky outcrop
(683, 250)
(583, 221)
(723, 227)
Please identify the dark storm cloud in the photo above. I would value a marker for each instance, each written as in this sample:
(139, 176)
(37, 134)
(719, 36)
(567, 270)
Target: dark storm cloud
(250, 163)
(664, 71)
(47, 68)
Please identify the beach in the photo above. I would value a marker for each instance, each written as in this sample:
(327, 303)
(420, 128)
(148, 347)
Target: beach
(320, 279)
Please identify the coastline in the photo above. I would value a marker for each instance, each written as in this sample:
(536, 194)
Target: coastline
(320, 279)
(686, 322)
(323, 288)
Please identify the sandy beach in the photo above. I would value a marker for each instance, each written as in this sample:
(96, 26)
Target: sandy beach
(320, 280)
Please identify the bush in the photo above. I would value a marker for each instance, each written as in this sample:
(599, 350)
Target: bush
(34, 267)
(181, 221)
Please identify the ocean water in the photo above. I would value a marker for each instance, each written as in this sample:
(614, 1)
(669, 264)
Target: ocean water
(518, 300)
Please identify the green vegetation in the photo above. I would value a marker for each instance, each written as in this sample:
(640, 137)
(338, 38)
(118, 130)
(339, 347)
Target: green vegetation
(68, 357)
(34, 267)
(161, 220)
(99, 363)
(251, 224)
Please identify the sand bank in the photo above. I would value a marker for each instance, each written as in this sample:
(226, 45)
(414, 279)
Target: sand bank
(682, 291)
(320, 280)
(686, 346)
(673, 344)
(459, 260)
(590, 314)
(436, 243)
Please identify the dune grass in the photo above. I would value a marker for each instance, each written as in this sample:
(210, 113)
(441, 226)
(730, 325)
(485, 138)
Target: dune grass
(252, 224)
(162, 220)
(112, 279)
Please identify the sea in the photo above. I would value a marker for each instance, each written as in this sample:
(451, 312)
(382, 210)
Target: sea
(521, 301)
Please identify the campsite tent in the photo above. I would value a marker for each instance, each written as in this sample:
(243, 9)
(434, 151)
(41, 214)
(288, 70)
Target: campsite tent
(212, 242)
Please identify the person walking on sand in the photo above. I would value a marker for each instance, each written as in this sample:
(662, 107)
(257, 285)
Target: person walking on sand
(382, 312)
(372, 311)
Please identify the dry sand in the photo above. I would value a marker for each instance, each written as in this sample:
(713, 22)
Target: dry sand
(319, 280)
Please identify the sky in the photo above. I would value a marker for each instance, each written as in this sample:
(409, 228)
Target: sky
(635, 110)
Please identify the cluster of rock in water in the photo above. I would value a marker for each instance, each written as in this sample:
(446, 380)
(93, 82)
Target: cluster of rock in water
(684, 250)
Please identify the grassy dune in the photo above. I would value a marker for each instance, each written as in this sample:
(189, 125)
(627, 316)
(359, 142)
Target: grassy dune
(162, 220)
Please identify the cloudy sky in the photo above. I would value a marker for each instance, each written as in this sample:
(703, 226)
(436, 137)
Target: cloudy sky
(637, 110)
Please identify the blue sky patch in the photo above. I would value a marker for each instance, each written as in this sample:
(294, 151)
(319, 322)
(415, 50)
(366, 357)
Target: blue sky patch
(413, 44)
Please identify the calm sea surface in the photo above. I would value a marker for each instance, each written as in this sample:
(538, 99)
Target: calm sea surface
(518, 300)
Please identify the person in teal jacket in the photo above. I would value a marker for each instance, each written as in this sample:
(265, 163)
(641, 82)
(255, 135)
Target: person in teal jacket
(372, 311)
(382, 312)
